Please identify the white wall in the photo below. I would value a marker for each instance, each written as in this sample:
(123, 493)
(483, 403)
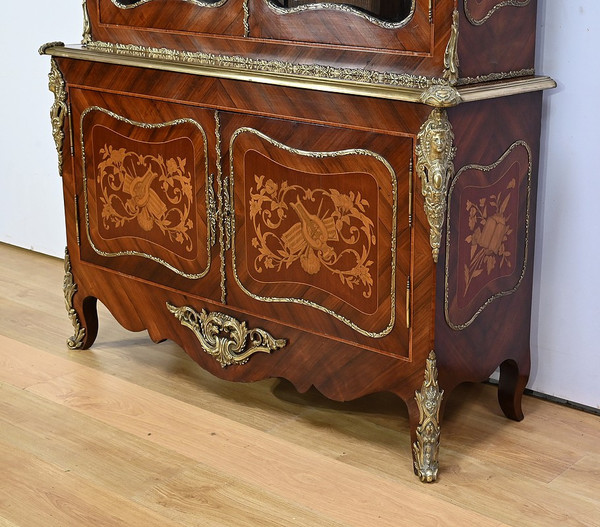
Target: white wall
(31, 192)
(566, 350)
(566, 353)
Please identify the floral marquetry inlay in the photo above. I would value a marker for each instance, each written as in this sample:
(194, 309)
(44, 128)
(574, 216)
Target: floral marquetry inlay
(329, 231)
(147, 192)
(316, 228)
(490, 235)
(487, 234)
(150, 190)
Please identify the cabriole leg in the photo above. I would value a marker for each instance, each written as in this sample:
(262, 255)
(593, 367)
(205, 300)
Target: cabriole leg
(513, 379)
(84, 333)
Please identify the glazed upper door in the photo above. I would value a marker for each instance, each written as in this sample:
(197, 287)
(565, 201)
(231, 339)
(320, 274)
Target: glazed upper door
(318, 232)
(122, 20)
(393, 25)
(146, 202)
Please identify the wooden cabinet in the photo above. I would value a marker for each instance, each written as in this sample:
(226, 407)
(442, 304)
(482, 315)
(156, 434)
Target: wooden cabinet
(294, 214)
(395, 41)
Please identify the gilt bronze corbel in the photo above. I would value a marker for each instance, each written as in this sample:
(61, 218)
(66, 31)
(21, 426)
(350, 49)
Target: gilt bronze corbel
(435, 153)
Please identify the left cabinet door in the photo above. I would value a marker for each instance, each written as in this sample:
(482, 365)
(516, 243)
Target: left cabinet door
(144, 181)
(174, 24)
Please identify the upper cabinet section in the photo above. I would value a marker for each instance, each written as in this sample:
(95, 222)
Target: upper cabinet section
(174, 22)
(406, 43)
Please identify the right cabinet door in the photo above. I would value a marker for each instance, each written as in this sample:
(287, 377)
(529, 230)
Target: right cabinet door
(318, 228)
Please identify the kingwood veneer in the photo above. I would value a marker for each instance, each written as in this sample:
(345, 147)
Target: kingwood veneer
(308, 192)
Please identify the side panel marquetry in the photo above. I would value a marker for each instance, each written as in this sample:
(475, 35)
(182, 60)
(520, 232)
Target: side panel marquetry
(487, 233)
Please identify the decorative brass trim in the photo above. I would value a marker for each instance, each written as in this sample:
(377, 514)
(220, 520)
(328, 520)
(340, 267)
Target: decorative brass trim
(228, 214)
(44, 49)
(441, 96)
(198, 3)
(427, 445)
(322, 6)
(262, 70)
(408, 290)
(59, 110)
(367, 83)
(451, 55)
(435, 152)
(498, 76)
(246, 18)
(77, 219)
(505, 89)
(192, 276)
(211, 210)
(498, 6)
(303, 301)
(223, 208)
(225, 338)
(71, 132)
(69, 289)
(411, 172)
(487, 168)
(87, 28)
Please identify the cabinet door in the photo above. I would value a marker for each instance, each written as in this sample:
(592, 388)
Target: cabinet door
(146, 197)
(319, 234)
(395, 25)
(151, 21)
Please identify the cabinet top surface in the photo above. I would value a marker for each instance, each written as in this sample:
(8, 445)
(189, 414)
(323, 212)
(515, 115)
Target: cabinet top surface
(346, 81)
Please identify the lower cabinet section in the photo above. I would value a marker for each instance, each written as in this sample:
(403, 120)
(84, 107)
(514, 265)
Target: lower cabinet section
(348, 243)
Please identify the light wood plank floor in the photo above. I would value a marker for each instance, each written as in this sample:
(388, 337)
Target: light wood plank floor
(131, 433)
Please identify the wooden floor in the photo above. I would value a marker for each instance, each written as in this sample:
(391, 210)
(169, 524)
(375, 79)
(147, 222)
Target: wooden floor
(131, 433)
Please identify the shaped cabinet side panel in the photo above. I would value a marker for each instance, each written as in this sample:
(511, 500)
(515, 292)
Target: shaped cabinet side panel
(485, 274)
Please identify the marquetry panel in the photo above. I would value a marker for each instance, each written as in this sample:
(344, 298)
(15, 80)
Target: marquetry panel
(318, 225)
(487, 233)
(147, 201)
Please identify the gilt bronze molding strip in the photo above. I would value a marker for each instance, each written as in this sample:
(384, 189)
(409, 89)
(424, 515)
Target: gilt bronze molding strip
(367, 83)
